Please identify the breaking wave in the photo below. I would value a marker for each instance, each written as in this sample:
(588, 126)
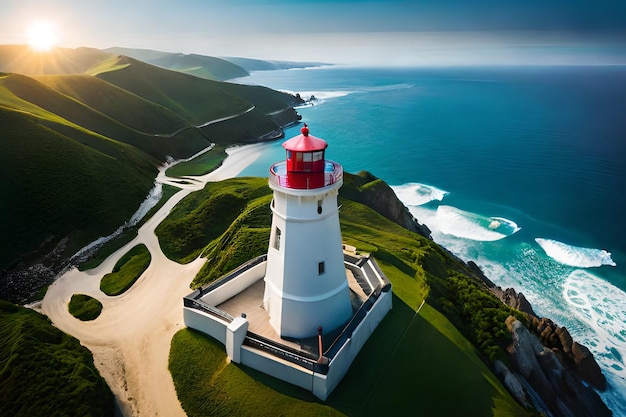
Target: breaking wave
(601, 305)
(574, 255)
(467, 225)
(416, 194)
(315, 98)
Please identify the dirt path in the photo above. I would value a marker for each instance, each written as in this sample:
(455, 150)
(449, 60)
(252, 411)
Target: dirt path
(130, 340)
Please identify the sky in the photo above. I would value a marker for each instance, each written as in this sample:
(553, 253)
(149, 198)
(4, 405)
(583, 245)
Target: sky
(365, 32)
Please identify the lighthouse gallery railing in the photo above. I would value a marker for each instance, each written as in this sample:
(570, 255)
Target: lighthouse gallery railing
(333, 172)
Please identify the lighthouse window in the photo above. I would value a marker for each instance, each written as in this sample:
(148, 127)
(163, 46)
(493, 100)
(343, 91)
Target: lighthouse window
(277, 239)
(321, 268)
(308, 156)
(317, 156)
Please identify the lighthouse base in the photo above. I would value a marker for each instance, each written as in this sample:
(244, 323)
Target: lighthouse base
(234, 304)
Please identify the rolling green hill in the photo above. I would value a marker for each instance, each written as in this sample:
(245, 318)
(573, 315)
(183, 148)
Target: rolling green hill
(60, 191)
(45, 372)
(201, 66)
(79, 151)
(197, 100)
(116, 103)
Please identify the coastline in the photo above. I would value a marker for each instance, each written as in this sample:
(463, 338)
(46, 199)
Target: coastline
(130, 341)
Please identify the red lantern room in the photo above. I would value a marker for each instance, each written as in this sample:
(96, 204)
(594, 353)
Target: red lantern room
(305, 167)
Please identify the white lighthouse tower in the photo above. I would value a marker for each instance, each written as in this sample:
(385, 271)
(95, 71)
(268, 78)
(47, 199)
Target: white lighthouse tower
(305, 281)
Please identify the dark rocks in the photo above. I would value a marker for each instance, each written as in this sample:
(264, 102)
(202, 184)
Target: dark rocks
(548, 372)
(587, 367)
(513, 299)
(573, 354)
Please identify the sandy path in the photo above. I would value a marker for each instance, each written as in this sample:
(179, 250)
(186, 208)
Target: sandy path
(130, 340)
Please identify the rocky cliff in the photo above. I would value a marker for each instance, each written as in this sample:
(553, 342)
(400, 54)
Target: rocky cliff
(550, 371)
(377, 194)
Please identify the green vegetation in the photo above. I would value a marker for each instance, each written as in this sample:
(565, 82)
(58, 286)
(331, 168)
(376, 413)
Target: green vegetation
(413, 364)
(198, 65)
(45, 372)
(200, 165)
(84, 307)
(203, 216)
(49, 202)
(207, 385)
(126, 271)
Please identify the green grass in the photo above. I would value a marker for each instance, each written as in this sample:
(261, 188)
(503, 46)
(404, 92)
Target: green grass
(208, 385)
(195, 99)
(62, 188)
(45, 372)
(201, 165)
(84, 307)
(205, 215)
(116, 103)
(126, 271)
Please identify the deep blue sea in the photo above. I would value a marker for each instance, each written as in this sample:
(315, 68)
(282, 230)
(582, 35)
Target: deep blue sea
(520, 169)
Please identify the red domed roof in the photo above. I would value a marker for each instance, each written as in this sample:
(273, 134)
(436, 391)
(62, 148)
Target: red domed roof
(305, 142)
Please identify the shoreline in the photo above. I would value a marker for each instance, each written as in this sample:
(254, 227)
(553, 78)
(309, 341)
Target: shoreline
(130, 341)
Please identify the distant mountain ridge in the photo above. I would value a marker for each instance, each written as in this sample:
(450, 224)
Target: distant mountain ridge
(22, 59)
(79, 149)
(199, 65)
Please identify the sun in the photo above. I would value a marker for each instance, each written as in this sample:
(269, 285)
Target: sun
(42, 35)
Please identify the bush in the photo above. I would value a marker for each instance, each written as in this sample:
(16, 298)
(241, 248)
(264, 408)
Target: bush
(84, 307)
(127, 270)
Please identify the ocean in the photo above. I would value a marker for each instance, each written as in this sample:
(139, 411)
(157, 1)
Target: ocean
(519, 169)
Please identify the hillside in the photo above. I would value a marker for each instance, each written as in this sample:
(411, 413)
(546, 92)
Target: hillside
(80, 151)
(201, 66)
(46, 372)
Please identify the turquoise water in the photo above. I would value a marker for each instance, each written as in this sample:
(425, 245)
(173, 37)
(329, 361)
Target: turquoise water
(518, 169)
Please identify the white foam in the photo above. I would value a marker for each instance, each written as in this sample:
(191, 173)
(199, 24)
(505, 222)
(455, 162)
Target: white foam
(574, 255)
(320, 96)
(601, 305)
(467, 225)
(416, 194)
(591, 308)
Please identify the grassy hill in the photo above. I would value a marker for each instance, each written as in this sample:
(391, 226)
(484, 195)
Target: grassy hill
(79, 151)
(201, 66)
(413, 364)
(60, 191)
(128, 109)
(43, 371)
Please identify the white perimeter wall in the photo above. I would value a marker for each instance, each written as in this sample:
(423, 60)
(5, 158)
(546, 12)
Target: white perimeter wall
(235, 285)
(320, 385)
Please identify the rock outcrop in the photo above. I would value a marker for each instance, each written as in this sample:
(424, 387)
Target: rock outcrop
(379, 196)
(552, 383)
(514, 299)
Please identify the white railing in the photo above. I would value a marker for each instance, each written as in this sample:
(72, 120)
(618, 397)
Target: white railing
(333, 172)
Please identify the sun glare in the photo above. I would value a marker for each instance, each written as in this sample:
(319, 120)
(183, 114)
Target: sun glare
(42, 35)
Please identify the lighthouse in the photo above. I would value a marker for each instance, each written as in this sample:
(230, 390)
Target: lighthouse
(305, 280)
